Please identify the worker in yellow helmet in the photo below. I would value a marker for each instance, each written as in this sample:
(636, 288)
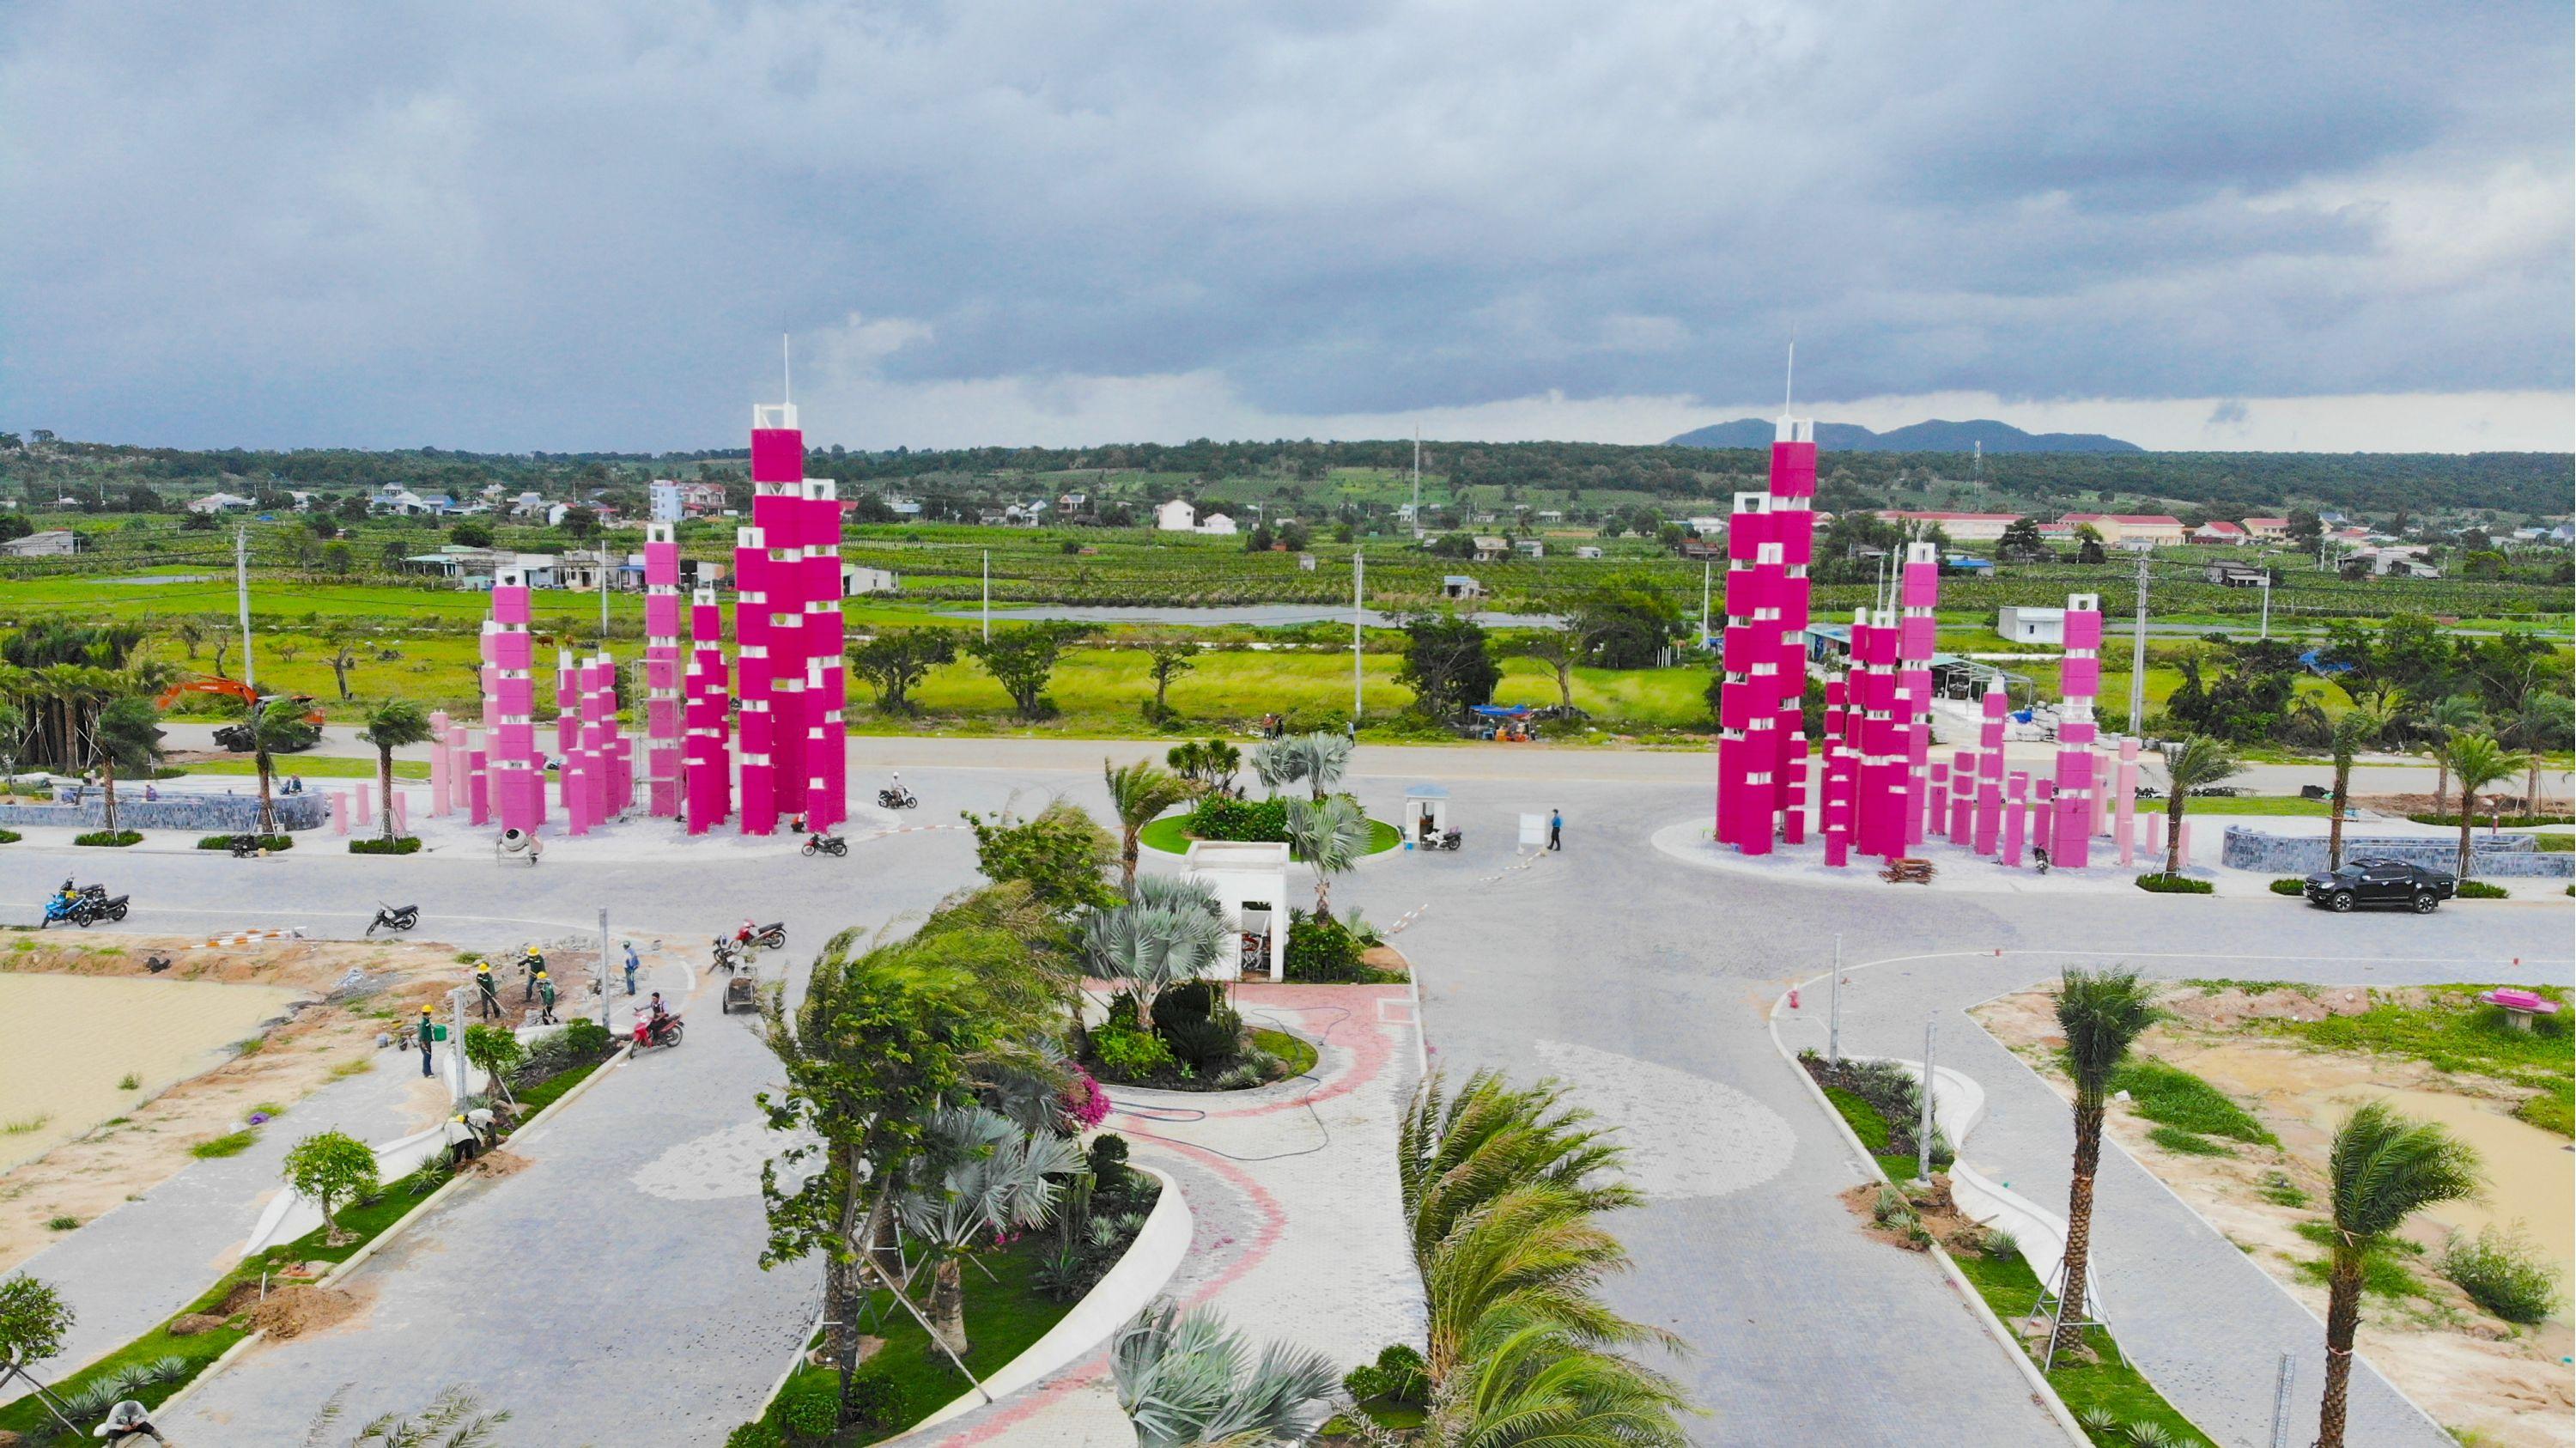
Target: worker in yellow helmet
(546, 995)
(428, 1028)
(487, 989)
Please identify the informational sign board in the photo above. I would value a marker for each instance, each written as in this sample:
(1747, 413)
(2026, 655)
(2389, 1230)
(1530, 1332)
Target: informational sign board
(1533, 832)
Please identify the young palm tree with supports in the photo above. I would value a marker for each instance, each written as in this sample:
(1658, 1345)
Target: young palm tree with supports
(1329, 834)
(998, 1180)
(1138, 793)
(2196, 763)
(1182, 1379)
(1318, 759)
(392, 725)
(2356, 729)
(2442, 720)
(2478, 760)
(1171, 930)
(274, 724)
(2383, 1169)
(2102, 1014)
(128, 737)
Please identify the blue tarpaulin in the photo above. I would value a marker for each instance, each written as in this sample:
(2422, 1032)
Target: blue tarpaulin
(1501, 711)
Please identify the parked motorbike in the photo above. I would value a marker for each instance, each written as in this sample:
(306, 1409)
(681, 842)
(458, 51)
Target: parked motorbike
(244, 846)
(2149, 791)
(394, 919)
(1447, 840)
(728, 957)
(772, 936)
(84, 910)
(832, 845)
(666, 1033)
(898, 798)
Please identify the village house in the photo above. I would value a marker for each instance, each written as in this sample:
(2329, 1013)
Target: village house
(1959, 527)
(52, 543)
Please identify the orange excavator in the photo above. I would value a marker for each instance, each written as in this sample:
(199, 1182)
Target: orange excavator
(234, 689)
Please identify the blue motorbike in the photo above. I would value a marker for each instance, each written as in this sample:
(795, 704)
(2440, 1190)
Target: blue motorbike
(85, 909)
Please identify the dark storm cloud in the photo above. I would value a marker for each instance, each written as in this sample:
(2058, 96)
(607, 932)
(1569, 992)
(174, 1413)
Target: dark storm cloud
(559, 224)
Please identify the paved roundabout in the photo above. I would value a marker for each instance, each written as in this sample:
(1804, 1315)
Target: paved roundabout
(1646, 981)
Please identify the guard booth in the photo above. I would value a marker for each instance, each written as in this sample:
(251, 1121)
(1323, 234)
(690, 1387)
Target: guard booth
(1426, 813)
(1250, 881)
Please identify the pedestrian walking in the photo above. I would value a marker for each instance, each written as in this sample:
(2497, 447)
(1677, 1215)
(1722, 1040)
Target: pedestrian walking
(487, 989)
(428, 1028)
(1556, 829)
(631, 963)
(546, 997)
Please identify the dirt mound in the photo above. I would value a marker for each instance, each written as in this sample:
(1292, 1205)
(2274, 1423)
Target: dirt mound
(194, 1323)
(498, 1162)
(297, 1311)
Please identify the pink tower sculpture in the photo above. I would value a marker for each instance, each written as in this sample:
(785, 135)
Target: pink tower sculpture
(1793, 530)
(441, 764)
(709, 752)
(517, 781)
(768, 621)
(572, 781)
(1879, 799)
(663, 665)
(827, 690)
(1997, 707)
(1762, 746)
(2071, 843)
(1918, 594)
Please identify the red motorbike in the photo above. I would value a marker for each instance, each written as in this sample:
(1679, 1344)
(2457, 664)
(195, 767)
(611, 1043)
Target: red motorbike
(665, 1032)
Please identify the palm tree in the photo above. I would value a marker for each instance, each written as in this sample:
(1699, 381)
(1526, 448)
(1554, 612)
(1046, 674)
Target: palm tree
(998, 1181)
(1183, 1380)
(128, 737)
(1137, 794)
(2102, 1015)
(2479, 761)
(2441, 720)
(392, 725)
(1526, 1382)
(452, 1420)
(1170, 933)
(2544, 722)
(1330, 834)
(2383, 1169)
(1319, 759)
(2346, 736)
(274, 723)
(2194, 763)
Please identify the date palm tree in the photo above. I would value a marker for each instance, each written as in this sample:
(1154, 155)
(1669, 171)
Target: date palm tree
(1528, 1382)
(391, 725)
(2383, 1169)
(2478, 760)
(1137, 794)
(2194, 763)
(2102, 1014)
(128, 737)
(1330, 835)
(2441, 719)
(2544, 722)
(1185, 1379)
(998, 1180)
(274, 724)
(2346, 736)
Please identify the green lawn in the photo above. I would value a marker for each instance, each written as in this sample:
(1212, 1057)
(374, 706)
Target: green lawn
(2249, 805)
(2171, 1096)
(309, 766)
(1299, 1056)
(1170, 834)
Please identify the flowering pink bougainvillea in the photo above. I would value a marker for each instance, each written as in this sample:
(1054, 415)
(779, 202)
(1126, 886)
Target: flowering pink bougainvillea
(1084, 1102)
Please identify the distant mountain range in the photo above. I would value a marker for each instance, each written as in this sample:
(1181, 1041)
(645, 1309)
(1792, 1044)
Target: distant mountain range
(1934, 436)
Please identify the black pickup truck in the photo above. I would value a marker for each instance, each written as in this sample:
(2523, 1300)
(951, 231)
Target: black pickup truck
(2382, 882)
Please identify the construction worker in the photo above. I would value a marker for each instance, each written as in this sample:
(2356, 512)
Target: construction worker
(631, 964)
(546, 994)
(487, 989)
(428, 1028)
(532, 964)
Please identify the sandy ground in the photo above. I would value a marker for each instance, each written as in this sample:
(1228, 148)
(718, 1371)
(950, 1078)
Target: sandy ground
(2466, 1368)
(146, 1141)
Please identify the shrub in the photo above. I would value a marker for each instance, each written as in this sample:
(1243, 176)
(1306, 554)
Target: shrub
(1129, 1054)
(2172, 1096)
(2172, 885)
(270, 843)
(2481, 890)
(62, 1223)
(1242, 1077)
(1322, 950)
(1205, 1044)
(405, 845)
(116, 841)
(231, 1143)
(753, 1435)
(876, 1400)
(1998, 1243)
(1223, 817)
(2289, 887)
(1108, 1158)
(586, 1037)
(10, 837)
(2502, 1274)
(1191, 1000)
(2187, 1143)
(809, 1407)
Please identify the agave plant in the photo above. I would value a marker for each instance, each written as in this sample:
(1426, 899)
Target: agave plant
(1186, 1379)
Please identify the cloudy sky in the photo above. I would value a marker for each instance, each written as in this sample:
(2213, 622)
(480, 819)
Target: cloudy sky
(571, 224)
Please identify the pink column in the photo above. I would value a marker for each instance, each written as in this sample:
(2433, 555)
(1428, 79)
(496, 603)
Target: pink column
(1880, 799)
(2081, 673)
(1792, 532)
(517, 778)
(1990, 768)
(571, 782)
(1936, 816)
(400, 813)
(460, 767)
(478, 787)
(2127, 803)
(366, 813)
(2016, 816)
(1963, 796)
(1919, 593)
(827, 689)
(2182, 847)
(438, 763)
(780, 518)
(1833, 813)
(597, 718)
(2043, 815)
(663, 667)
(339, 812)
(706, 716)
(1746, 754)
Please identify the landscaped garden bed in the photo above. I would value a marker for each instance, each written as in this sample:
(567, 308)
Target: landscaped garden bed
(1190, 1039)
(2232, 1101)
(1221, 817)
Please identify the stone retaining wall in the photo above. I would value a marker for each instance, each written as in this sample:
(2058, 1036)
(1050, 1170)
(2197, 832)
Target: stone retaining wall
(2492, 855)
(203, 814)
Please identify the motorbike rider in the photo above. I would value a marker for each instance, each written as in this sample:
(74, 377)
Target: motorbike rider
(656, 1015)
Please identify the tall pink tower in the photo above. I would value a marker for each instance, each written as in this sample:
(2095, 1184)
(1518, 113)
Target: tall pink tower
(1761, 744)
(2078, 773)
(765, 593)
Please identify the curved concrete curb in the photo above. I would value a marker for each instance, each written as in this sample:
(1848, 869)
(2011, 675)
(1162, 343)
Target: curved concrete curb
(2041, 1389)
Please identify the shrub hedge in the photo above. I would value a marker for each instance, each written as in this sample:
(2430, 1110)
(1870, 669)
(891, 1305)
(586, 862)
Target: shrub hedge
(2481, 890)
(270, 843)
(2173, 885)
(102, 838)
(402, 845)
(2289, 887)
(1223, 817)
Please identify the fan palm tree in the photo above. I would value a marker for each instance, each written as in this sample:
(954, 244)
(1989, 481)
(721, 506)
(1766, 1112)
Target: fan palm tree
(2383, 1169)
(452, 1420)
(2194, 763)
(998, 1181)
(2478, 760)
(1330, 835)
(1319, 759)
(1184, 1380)
(2346, 736)
(2102, 1015)
(1174, 933)
(1137, 794)
(391, 725)
(2441, 719)
(128, 737)
(2544, 722)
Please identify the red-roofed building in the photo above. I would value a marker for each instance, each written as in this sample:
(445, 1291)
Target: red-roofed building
(1961, 527)
(2269, 530)
(2219, 530)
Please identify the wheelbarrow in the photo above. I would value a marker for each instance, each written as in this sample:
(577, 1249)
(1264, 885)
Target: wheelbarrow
(742, 991)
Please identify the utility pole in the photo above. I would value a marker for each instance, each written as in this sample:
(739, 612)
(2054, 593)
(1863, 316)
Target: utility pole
(1359, 575)
(1417, 480)
(241, 596)
(1834, 1010)
(2138, 657)
(1705, 574)
(2266, 634)
(988, 595)
(603, 967)
(1923, 1132)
